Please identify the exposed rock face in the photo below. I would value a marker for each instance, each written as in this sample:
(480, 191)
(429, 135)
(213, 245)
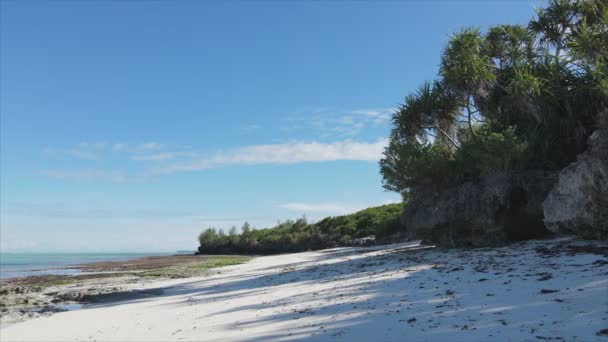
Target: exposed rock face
(579, 202)
(496, 209)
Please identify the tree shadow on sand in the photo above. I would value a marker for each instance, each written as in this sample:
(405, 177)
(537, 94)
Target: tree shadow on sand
(400, 293)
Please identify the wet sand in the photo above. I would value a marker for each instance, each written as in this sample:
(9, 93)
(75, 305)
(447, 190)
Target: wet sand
(29, 297)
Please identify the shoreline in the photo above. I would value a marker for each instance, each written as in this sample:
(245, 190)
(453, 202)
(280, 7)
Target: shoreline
(541, 289)
(24, 264)
(23, 298)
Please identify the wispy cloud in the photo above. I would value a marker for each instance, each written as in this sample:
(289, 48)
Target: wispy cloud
(146, 151)
(155, 157)
(82, 154)
(151, 145)
(288, 153)
(378, 116)
(341, 124)
(327, 208)
(164, 156)
(335, 208)
(120, 147)
(117, 176)
(88, 151)
(250, 128)
(148, 159)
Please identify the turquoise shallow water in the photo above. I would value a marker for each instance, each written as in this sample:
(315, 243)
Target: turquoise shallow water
(14, 265)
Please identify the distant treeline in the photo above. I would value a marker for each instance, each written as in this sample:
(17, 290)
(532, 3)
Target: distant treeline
(299, 235)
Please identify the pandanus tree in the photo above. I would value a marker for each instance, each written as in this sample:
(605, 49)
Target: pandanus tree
(468, 72)
(540, 88)
(553, 24)
(425, 130)
(589, 44)
(428, 114)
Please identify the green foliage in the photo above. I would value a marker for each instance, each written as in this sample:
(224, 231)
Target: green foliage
(426, 165)
(299, 235)
(466, 65)
(489, 153)
(509, 46)
(513, 97)
(413, 164)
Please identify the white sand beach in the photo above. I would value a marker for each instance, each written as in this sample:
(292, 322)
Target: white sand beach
(538, 290)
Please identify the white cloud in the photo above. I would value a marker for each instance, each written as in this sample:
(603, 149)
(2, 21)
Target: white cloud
(332, 207)
(82, 154)
(163, 156)
(377, 116)
(338, 124)
(154, 157)
(151, 145)
(250, 128)
(96, 150)
(79, 152)
(98, 145)
(372, 113)
(116, 176)
(120, 147)
(168, 161)
(288, 153)
(329, 208)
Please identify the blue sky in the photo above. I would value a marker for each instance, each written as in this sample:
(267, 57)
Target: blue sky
(131, 126)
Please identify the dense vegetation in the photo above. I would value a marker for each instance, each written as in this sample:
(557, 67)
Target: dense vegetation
(507, 99)
(299, 235)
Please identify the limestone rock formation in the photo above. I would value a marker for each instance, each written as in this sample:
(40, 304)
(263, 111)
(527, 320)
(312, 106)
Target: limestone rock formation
(491, 211)
(578, 204)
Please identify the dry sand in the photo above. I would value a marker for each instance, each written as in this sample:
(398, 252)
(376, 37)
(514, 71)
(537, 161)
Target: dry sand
(533, 291)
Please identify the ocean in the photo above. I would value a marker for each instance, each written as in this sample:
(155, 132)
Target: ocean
(14, 265)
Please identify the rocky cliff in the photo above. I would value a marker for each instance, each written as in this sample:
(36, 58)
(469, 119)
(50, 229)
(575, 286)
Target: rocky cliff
(518, 206)
(579, 202)
(493, 210)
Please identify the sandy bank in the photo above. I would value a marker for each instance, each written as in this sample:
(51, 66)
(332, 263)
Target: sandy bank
(530, 291)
